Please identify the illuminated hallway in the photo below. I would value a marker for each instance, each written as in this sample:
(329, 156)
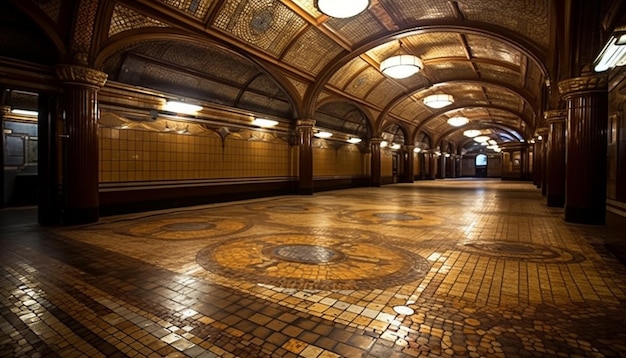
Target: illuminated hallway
(434, 268)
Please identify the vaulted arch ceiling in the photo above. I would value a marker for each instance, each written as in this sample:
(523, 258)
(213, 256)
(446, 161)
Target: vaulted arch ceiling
(286, 58)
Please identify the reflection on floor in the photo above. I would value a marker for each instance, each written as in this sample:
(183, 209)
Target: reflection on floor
(439, 269)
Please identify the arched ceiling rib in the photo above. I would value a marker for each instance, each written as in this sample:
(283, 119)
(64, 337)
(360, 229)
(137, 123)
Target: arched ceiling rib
(486, 53)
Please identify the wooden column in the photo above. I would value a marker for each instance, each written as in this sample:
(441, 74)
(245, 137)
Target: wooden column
(80, 108)
(555, 158)
(49, 204)
(408, 163)
(304, 127)
(375, 162)
(543, 149)
(3, 110)
(586, 120)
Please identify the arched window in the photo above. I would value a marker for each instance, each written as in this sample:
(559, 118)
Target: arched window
(481, 160)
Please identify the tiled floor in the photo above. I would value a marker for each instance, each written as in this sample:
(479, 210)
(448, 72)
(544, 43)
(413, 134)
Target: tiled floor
(448, 268)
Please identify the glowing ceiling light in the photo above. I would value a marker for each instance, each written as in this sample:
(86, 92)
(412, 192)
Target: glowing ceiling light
(182, 107)
(395, 146)
(438, 100)
(613, 54)
(481, 139)
(24, 112)
(458, 121)
(471, 133)
(354, 140)
(384, 144)
(322, 134)
(263, 122)
(343, 8)
(401, 65)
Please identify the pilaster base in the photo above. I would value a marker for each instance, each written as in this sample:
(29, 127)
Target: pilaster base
(585, 216)
(76, 216)
(555, 201)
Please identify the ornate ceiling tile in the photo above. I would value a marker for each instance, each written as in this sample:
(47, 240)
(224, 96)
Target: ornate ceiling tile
(528, 18)
(410, 11)
(450, 70)
(362, 84)
(52, 8)
(384, 92)
(356, 29)
(486, 48)
(300, 86)
(308, 6)
(410, 109)
(265, 24)
(197, 8)
(345, 73)
(434, 45)
(311, 51)
(500, 74)
(124, 19)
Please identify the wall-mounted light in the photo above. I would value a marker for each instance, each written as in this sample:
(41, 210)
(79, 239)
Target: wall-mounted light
(458, 121)
(438, 100)
(417, 150)
(539, 138)
(343, 8)
(182, 107)
(354, 140)
(471, 133)
(614, 52)
(384, 144)
(264, 122)
(322, 134)
(24, 112)
(395, 146)
(447, 155)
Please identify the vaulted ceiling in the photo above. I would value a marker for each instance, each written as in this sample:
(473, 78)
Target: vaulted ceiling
(286, 59)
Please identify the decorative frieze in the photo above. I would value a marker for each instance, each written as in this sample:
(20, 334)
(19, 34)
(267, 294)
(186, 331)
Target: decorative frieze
(81, 75)
(588, 83)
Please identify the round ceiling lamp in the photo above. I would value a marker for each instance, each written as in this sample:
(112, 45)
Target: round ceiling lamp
(401, 65)
(482, 139)
(438, 100)
(471, 133)
(458, 121)
(342, 9)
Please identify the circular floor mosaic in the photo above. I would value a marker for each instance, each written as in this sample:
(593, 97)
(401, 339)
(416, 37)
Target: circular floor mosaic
(288, 207)
(320, 261)
(397, 218)
(524, 251)
(185, 228)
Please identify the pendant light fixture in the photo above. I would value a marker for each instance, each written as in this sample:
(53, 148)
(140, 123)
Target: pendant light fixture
(458, 121)
(471, 133)
(342, 8)
(438, 100)
(401, 65)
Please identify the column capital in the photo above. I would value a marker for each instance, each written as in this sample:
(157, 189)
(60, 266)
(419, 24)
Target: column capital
(555, 116)
(305, 123)
(542, 131)
(582, 84)
(376, 140)
(77, 74)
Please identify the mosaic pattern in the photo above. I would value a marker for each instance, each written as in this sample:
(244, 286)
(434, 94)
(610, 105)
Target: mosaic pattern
(400, 218)
(524, 251)
(185, 228)
(124, 19)
(507, 278)
(322, 261)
